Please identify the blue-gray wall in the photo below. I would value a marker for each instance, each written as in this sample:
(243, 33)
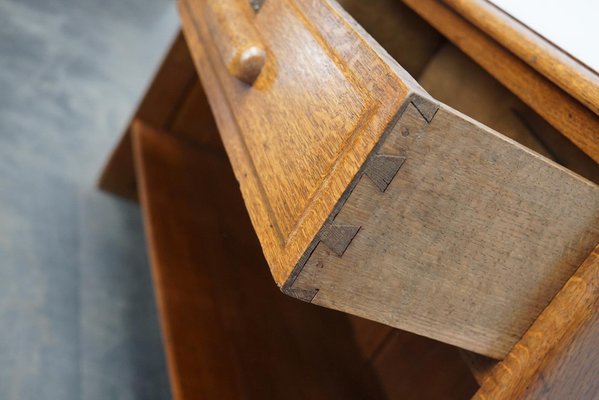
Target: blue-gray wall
(77, 313)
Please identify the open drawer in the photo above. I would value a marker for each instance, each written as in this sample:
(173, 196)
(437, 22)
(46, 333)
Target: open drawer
(371, 197)
(228, 332)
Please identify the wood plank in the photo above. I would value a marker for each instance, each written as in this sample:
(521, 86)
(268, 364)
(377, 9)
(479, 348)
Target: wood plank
(456, 80)
(296, 143)
(229, 333)
(491, 207)
(413, 44)
(403, 364)
(399, 30)
(551, 61)
(561, 110)
(175, 77)
(452, 77)
(561, 149)
(558, 358)
(193, 120)
(468, 243)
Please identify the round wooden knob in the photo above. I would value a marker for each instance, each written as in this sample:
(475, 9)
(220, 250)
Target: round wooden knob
(236, 38)
(248, 63)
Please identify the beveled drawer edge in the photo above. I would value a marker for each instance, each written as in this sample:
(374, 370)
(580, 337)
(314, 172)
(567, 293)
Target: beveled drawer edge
(427, 107)
(283, 260)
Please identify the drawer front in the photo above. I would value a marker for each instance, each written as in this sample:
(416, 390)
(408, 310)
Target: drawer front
(300, 131)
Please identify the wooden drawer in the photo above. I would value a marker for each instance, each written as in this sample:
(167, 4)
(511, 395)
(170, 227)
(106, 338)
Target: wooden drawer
(371, 197)
(296, 143)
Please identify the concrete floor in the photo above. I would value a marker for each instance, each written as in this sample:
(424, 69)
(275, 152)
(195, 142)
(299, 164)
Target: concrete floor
(77, 313)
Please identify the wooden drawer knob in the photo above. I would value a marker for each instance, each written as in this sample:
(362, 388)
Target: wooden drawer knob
(236, 38)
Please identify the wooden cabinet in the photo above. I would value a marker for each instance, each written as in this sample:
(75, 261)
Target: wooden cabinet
(299, 134)
(368, 194)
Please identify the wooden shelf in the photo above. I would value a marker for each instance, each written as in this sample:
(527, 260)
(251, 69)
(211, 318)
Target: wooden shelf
(557, 358)
(228, 332)
(434, 224)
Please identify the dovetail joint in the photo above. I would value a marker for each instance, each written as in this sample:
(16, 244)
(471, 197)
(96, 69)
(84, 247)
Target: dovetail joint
(383, 168)
(338, 237)
(425, 107)
(306, 295)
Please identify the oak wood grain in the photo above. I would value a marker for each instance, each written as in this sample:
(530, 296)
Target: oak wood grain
(558, 357)
(399, 30)
(561, 110)
(560, 148)
(300, 133)
(554, 63)
(236, 38)
(468, 243)
(456, 80)
(228, 332)
(298, 151)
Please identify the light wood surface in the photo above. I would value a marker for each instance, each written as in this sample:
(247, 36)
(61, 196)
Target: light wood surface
(557, 358)
(396, 357)
(566, 114)
(399, 30)
(382, 352)
(236, 38)
(297, 137)
(469, 242)
(455, 79)
(554, 63)
(228, 332)
(420, 260)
